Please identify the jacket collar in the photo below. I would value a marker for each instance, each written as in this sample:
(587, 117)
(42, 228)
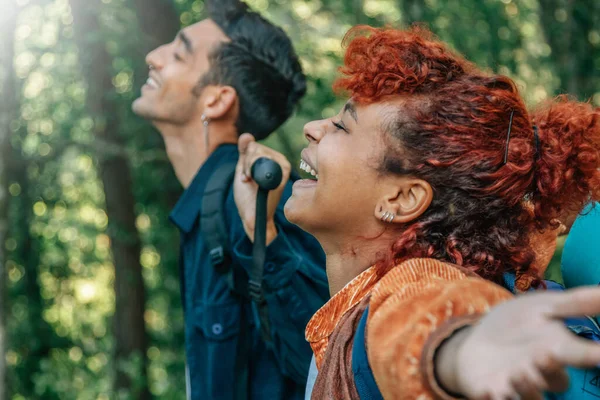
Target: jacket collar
(186, 211)
(325, 320)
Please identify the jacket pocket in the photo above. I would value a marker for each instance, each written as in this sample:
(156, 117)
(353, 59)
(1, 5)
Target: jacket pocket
(219, 322)
(218, 326)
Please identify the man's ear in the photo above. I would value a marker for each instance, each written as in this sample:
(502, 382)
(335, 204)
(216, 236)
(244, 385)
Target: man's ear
(218, 101)
(405, 201)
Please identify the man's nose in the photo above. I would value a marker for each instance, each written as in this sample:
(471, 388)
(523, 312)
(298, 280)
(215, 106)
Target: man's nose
(154, 58)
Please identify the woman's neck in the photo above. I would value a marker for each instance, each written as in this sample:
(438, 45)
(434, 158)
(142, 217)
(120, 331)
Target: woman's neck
(345, 264)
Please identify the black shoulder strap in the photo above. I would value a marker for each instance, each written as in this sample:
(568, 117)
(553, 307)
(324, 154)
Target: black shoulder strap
(212, 217)
(215, 234)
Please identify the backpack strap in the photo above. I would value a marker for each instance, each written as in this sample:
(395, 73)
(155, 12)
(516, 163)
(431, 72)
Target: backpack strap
(363, 375)
(212, 217)
(216, 237)
(214, 229)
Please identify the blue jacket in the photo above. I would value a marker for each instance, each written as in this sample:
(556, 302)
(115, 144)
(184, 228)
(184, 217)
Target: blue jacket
(295, 287)
(581, 254)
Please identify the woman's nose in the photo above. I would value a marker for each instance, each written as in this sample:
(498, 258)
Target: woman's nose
(315, 130)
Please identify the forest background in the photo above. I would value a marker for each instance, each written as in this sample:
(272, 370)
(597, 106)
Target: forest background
(89, 291)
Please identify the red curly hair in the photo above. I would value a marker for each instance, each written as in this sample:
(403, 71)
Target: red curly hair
(452, 132)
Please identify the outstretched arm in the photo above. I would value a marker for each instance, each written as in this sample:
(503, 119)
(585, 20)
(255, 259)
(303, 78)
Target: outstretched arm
(413, 309)
(431, 332)
(521, 348)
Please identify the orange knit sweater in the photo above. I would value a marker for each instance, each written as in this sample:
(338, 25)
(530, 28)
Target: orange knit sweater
(413, 308)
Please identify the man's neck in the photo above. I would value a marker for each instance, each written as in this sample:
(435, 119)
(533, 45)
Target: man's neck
(186, 147)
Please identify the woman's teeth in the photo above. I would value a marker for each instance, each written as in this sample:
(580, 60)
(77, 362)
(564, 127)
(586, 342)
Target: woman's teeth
(151, 82)
(307, 168)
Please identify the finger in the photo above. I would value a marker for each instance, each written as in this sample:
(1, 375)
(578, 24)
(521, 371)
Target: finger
(247, 146)
(536, 378)
(577, 352)
(499, 390)
(253, 153)
(526, 389)
(576, 302)
(507, 394)
(244, 141)
(557, 381)
(239, 171)
(553, 373)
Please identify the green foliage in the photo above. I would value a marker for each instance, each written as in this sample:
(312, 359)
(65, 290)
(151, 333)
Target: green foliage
(59, 265)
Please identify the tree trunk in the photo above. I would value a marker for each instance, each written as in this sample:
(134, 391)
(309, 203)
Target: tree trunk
(128, 324)
(567, 25)
(159, 21)
(7, 112)
(41, 338)
(13, 169)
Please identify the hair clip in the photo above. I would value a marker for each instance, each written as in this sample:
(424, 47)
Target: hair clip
(508, 136)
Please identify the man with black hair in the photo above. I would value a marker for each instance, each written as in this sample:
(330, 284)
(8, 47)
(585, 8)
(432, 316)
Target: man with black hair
(232, 73)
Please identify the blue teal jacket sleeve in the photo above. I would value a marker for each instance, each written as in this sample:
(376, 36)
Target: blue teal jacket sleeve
(295, 287)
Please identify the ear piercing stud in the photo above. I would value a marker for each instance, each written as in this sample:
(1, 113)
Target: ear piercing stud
(387, 217)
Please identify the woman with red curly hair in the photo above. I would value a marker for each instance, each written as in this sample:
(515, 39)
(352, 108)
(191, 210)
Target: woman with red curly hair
(433, 176)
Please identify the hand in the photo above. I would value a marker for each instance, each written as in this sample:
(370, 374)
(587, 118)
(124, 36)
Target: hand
(245, 189)
(521, 348)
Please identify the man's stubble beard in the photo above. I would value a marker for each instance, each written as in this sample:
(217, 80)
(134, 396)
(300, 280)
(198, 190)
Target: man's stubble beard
(180, 114)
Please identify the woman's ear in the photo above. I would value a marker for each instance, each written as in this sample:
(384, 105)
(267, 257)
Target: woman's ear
(405, 201)
(218, 101)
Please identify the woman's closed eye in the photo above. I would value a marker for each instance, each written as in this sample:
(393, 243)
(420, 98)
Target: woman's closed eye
(339, 125)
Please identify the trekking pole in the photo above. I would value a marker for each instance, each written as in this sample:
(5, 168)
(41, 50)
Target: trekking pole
(267, 174)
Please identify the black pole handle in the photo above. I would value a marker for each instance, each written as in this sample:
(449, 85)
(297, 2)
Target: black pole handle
(268, 175)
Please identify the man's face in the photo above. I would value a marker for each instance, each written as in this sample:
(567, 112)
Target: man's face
(175, 69)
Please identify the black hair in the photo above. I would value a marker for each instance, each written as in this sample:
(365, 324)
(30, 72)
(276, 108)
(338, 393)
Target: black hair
(259, 63)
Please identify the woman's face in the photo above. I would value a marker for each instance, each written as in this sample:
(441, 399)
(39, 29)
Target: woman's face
(344, 152)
